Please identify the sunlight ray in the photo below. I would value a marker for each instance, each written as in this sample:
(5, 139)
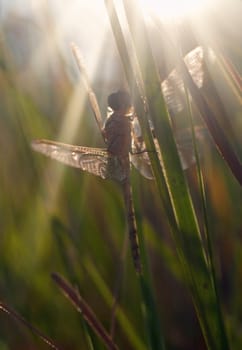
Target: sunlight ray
(72, 118)
(75, 107)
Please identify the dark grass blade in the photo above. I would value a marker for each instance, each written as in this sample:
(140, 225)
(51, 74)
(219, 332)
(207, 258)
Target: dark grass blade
(209, 117)
(208, 237)
(177, 203)
(13, 314)
(85, 310)
(231, 74)
(201, 184)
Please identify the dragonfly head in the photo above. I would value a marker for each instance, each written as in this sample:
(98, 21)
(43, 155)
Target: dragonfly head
(120, 101)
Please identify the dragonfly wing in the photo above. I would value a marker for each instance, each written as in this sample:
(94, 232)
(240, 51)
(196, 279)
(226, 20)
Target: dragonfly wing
(139, 156)
(92, 160)
(141, 162)
(173, 87)
(95, 161)
(185, 144)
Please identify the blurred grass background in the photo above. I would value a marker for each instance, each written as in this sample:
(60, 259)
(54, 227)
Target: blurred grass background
(53, 218)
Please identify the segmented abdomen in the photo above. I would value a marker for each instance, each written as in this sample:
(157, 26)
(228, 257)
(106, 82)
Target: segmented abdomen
(132, 227)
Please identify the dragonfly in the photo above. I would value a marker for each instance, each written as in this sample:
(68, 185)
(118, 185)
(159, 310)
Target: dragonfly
(112, 162)
(124, 145)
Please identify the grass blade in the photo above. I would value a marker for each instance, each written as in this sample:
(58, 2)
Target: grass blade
(13, 314)
(85, 310)
(185, 228)
(210, 119)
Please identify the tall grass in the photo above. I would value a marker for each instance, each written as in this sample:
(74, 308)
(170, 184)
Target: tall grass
(199, 277)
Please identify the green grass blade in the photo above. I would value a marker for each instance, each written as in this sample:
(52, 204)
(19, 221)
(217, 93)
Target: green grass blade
(207, 233)
(187, 234)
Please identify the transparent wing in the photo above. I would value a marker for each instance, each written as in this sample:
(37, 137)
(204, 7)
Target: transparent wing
(174, 95)
(185, 144)
(142, 163)
(173, 88)
(139, 155)
(92, 160)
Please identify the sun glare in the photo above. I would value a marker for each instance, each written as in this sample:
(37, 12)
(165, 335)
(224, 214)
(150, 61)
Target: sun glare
(174, 9)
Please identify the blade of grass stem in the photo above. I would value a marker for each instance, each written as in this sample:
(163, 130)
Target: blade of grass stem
(13, 314)
(229, 79)
(201, 185)
(88, 314)
(86, 81)
(217, 133)
(210, 249)
(231, 74)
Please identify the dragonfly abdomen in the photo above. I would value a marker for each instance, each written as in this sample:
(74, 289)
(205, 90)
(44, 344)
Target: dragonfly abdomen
(132, 226)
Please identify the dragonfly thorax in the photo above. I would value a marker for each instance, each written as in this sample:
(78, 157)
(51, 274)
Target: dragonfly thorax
(117, 131)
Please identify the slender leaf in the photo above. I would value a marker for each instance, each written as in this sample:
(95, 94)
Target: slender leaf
(185, 227)
(13, 314)
(86, 311)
